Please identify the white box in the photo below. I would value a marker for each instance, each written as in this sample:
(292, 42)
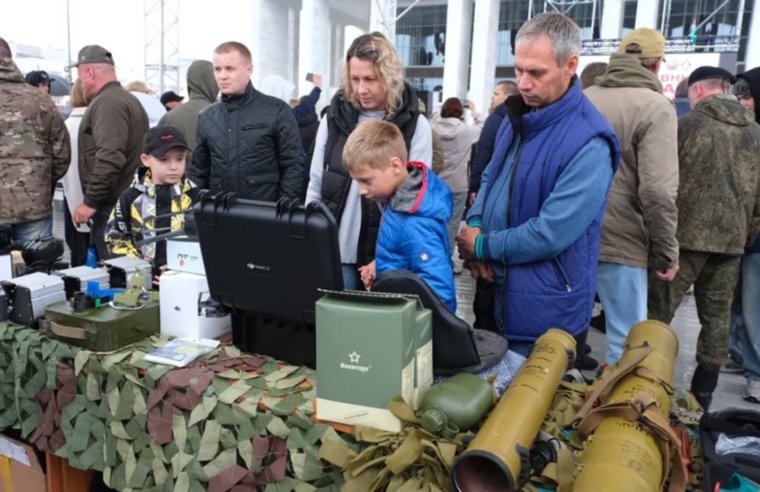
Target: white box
(184, 255)
(183, 313)
(6, 267)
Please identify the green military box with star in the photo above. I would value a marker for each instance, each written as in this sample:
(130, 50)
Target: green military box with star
(366, 354)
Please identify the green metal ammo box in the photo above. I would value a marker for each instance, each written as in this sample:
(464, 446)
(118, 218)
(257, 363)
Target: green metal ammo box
(100, 329)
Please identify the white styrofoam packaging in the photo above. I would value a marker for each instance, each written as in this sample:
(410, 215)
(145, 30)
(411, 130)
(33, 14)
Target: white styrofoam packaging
(6, 267)
(183, 309)
(184, 255)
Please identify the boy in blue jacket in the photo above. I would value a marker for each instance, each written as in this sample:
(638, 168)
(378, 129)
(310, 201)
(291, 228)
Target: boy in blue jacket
(416, 206)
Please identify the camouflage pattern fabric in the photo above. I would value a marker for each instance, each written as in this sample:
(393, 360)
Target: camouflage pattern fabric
(35, 149)
(719, 177)
(714, 277)
(227, 422)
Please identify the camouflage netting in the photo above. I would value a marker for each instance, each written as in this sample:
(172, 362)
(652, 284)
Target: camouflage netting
(229, 421)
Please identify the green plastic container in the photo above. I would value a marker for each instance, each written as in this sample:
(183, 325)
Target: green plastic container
(456, 404)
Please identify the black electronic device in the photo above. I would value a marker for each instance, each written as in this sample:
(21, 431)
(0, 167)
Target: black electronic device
(266, 262)
(29, 295)
(309, 77)
(733, 423)
(3, 305)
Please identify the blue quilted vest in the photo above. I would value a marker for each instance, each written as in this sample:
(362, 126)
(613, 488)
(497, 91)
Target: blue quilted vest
(557, 292)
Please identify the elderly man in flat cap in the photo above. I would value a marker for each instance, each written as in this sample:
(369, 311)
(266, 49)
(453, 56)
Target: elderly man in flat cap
(110, 141)
(718, 215)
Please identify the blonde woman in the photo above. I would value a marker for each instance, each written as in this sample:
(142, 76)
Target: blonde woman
(77, 237)
(150, 103)
(372, 88)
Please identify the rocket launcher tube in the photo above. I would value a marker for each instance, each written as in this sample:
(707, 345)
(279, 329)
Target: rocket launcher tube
(497, 458)
(632, 444)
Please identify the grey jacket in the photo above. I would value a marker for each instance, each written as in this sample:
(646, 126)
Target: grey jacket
(457, 139)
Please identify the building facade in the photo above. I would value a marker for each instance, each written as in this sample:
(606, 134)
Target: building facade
(460, 48)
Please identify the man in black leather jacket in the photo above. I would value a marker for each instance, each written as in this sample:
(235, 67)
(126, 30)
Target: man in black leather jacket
(247, 143)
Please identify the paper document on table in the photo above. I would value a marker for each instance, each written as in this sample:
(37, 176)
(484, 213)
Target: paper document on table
(13, 451)
(181, 351)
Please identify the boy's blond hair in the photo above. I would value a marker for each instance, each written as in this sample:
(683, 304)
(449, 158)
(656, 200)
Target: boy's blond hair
(372, 145)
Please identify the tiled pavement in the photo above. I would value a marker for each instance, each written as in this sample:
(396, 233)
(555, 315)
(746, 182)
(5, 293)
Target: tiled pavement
(730, 386)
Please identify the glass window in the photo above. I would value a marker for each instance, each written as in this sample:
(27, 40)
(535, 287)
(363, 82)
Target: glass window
(513, 13)
(705, 24)
(629, 16)
(583, 13)
(421, 36)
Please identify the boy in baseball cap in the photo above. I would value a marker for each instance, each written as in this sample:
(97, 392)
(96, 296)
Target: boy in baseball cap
(156, 202)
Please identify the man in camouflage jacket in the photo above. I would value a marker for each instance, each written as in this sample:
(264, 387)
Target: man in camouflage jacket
(35, 151)
(718, 215)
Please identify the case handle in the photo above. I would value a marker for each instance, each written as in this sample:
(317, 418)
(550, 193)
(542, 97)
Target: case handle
(66, 331)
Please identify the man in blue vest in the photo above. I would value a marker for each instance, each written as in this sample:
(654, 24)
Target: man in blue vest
(534, 227)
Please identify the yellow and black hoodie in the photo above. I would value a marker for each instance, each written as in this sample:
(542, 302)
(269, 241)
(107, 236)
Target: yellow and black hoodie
(145, 210)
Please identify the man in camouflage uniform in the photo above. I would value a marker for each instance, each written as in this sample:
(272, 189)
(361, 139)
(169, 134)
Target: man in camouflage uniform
(718, 215)
(35, 151)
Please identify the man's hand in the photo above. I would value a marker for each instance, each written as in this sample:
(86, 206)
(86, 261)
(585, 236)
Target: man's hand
(157, 278)
(83, 213)
(666, 274)
(367, 274)
(466, 242)
(480, 269)
(471, 198)
(317, 80)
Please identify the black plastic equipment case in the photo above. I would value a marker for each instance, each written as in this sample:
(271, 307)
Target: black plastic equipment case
(733, 422)
(265, 262)
(3, 305)
(715, 473)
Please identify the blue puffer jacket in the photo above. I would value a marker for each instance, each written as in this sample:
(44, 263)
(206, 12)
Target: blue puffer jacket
(413, 232)
(553, 286)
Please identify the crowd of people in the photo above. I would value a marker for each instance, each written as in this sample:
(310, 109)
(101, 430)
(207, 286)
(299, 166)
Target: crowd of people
(573, 188)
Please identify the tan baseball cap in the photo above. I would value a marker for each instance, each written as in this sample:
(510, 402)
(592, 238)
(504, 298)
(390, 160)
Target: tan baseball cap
(652, 43)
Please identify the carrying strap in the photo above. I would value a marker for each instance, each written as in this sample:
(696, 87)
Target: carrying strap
(63, 331)
(606, 385)
(414, 458)
(643, 410)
